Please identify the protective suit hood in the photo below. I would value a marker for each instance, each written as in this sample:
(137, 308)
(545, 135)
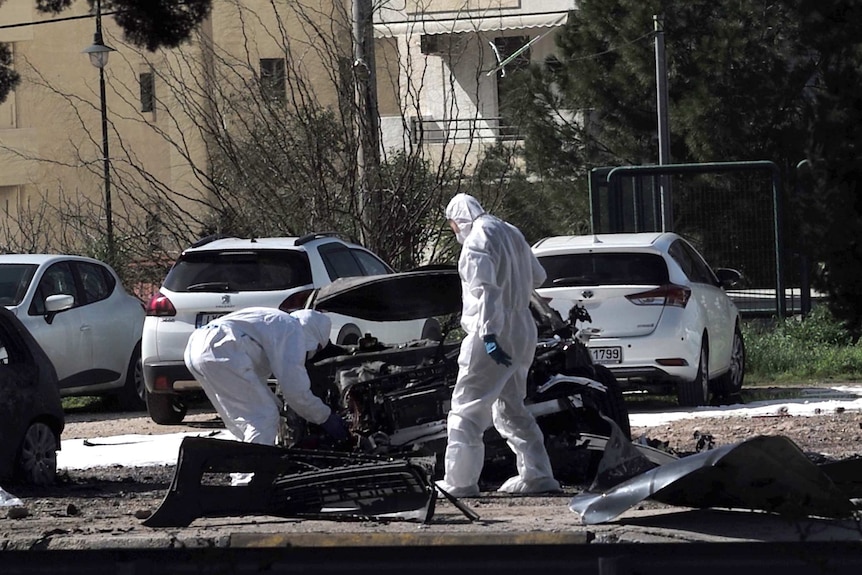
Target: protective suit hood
(316, 327)
(463, 209)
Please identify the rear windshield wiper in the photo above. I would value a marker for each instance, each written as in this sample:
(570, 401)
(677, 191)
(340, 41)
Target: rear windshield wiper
(210, 286)
(574, 281)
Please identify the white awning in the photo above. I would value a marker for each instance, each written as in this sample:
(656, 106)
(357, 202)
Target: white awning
(467, 23)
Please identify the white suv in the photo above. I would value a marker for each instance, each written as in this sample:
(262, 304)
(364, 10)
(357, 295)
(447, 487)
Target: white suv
(216, 276)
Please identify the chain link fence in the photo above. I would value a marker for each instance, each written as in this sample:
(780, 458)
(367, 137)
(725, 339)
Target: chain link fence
(731, 211)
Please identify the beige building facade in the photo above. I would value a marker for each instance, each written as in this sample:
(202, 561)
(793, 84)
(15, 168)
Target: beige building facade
(441, 83)
(163, 109)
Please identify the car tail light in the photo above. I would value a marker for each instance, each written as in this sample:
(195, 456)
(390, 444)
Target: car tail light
(672, 362)
(295, 301)
(160, 306)
(163, 383)
(669, 294)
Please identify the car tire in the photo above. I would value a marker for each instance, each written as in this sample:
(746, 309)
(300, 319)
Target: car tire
(133, 395)
(36, 463)
(696, 392)
(730, 383)
(431, 330)
(166, 408)
(572, 461)
(614, 405)
(349, 335)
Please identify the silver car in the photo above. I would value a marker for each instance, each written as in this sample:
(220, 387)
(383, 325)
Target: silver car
(81, 315)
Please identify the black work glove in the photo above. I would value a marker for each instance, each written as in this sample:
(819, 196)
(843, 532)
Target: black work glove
(336, 427)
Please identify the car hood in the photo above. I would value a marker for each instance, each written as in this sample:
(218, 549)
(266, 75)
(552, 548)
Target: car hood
(392, 297)
(412, 295)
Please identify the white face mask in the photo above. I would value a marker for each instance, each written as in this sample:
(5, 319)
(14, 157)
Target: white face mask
(463, 232)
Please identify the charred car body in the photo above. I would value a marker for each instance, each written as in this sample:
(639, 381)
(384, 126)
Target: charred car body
(396, 397)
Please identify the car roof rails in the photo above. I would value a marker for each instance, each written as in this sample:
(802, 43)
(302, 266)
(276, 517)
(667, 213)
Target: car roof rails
(316, 235)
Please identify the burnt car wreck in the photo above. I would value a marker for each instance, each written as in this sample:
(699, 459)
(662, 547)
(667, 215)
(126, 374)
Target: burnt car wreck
(395, 399)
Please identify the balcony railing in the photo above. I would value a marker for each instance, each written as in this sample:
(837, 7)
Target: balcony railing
(439, 131)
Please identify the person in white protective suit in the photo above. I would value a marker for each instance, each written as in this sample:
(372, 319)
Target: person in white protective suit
(233, 357)
(498, 273)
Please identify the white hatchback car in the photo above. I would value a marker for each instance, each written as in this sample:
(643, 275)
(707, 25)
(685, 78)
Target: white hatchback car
(79, 312)
(659, 313)
(217, 276)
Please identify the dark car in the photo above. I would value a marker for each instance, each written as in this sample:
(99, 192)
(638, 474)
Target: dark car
(31, 415)
(396, 397)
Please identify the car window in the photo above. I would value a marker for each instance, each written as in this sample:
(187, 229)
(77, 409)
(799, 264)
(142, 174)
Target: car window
(339, 261)
(371, 264)
(96, 281)
(57, 279)
(613, 268)
(691, 263)
(238, 271)
(14, 281)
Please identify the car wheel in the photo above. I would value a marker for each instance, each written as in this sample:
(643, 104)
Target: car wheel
(349, 335)
(613, 403)
(37, 458)
(166, 408)
(431, 330)
(730, 382)
(571, 458)
(696, 392)
(133, 395)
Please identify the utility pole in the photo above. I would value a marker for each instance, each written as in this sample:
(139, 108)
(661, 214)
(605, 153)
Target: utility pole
(367, 122)
(663, 130)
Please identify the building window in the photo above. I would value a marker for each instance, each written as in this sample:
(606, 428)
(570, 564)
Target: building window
(507, 81)
(272, 79)
(148, 91)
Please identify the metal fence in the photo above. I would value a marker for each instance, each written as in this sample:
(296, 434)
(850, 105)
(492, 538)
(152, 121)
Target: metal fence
(731, 211)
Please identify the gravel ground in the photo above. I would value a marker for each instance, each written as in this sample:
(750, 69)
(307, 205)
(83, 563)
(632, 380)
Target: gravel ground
(106, 506)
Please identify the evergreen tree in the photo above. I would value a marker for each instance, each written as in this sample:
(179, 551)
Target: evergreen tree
(747, 80)
(737, 73)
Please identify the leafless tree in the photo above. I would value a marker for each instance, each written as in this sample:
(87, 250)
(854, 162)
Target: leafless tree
(272, 162)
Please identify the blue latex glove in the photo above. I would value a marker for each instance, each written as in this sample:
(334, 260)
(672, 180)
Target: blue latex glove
(495, 351)
(335, 427)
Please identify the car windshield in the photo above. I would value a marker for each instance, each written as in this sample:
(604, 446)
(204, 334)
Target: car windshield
(239, 271)
(604, 269)
(14, 280)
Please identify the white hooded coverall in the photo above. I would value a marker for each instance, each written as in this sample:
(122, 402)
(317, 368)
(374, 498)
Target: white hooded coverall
(498, 274)
(233, 357)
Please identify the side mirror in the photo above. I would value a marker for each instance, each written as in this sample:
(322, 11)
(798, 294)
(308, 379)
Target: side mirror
(728, 278)
(57, 303)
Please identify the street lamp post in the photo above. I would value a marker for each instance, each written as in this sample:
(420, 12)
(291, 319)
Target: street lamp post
(98, 54)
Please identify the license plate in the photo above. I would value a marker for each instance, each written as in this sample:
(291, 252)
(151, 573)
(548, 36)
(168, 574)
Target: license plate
(204, 318)
(604, 355)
